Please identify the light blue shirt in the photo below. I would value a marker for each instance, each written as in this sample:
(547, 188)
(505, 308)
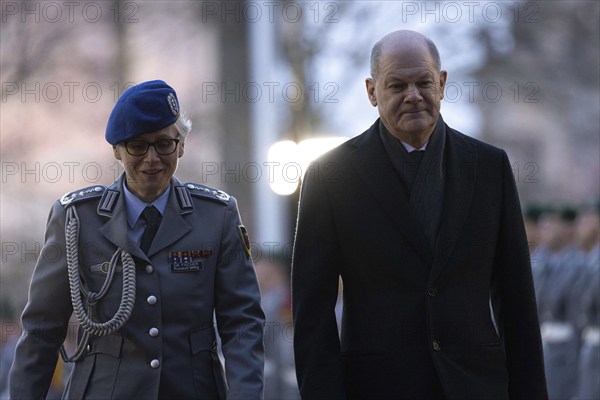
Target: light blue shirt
(135, 206)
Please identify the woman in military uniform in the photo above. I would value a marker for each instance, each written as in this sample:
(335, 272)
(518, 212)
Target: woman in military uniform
(146, 265)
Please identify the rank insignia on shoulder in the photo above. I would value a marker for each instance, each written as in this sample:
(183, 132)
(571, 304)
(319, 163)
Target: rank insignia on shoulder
(108, 201)
(245, 239)
(88, 193)
(207, 192)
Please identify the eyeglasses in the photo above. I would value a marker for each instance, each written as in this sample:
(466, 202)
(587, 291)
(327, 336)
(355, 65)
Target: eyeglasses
(163, 147)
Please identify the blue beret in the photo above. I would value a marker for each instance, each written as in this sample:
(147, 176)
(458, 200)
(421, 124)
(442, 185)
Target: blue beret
(142, 108)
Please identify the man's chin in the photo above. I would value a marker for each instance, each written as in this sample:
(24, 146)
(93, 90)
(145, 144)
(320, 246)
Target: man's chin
(415, 127)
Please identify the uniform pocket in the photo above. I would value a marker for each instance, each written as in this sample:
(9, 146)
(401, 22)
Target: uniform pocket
(110, 345)
(101, 365)
(209, 378)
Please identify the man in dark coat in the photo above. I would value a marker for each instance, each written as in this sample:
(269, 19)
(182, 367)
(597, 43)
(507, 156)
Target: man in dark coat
(438, 299)
(181, 258)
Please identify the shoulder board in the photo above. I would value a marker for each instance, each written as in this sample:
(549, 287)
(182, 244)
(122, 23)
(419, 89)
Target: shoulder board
(198, 190)
(80, 195)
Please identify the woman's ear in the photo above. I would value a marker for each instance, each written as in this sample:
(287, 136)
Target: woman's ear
(116, 153)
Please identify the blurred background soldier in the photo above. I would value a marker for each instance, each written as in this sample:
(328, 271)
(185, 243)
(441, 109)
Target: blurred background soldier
(537, 251)
(8, 342)
(557, 317)
(586, 297)
(280, 377)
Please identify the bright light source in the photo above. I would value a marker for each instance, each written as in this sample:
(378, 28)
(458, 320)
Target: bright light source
(311, 149)
(289, 161)
(281, 158)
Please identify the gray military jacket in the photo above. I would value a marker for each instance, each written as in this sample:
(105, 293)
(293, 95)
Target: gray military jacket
(167, 349)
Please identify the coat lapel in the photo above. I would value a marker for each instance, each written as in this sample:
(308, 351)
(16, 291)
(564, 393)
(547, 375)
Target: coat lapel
(373, 166)
(172, 227)
(461, 170)
(115, 229)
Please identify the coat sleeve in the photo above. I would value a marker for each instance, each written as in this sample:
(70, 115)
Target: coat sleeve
(239, 316)
(516, 293)
(46, 315)
(315, 281)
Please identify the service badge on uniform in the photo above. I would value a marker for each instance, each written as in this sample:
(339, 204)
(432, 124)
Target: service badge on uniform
(245, 239)
(188, 261)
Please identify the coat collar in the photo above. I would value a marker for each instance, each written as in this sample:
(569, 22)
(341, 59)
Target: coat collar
(172, 228)
(373, 166)
(461, 173)
(376, 172)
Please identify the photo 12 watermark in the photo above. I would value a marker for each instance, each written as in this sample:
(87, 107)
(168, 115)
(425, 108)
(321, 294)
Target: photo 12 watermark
(491, 92)
(455, 12)
(271, 92)
(526, 172)
(71, 12)
(59, 172)
(270, 11)
(60, 92)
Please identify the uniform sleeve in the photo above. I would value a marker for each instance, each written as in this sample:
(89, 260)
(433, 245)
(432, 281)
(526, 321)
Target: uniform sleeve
(520, 323)
(46, 315)
(315, 280)
(240, 318)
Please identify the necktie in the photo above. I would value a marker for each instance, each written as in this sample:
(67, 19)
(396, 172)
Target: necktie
(152, 217)
(416, 156)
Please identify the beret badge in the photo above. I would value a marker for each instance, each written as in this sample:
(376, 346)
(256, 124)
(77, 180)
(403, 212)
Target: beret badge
(173, 104)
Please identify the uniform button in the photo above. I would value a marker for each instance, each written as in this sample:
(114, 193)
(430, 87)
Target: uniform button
(151, 300)
(153, 332)
(432, 292)
(155, 363)
(88, 348)
(149, 269)
(436, 345)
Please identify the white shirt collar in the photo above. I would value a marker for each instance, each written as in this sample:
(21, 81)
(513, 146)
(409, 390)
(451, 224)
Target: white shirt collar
(410, 149)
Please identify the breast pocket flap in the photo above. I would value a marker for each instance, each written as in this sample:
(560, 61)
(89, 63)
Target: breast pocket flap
(110, 345)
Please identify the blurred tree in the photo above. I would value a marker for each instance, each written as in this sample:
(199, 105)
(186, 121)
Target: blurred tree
(549, 114)
(303, 46)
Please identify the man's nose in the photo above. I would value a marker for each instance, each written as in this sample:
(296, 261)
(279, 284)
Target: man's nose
(413, 94)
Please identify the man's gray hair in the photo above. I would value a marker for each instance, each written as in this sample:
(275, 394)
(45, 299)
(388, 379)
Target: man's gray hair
(377, 50)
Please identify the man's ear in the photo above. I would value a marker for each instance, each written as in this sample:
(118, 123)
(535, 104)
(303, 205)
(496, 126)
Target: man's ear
(370, 85)
(443, 77)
